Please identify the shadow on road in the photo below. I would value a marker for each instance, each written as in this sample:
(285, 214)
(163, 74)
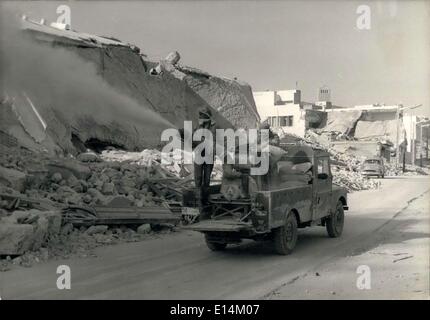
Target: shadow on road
(384, 232)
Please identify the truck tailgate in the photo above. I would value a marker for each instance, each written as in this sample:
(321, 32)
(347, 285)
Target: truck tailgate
(219, 225)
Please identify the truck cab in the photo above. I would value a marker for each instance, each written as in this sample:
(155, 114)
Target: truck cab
(296, 192)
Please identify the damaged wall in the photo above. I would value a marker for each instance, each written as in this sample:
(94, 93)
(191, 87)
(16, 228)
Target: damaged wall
(233, 99)
(343, 122)
(91, 91)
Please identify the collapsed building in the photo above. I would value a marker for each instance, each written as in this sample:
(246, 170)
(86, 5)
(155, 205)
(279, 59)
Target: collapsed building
(365, 131)
(66, 91)
(65, 98)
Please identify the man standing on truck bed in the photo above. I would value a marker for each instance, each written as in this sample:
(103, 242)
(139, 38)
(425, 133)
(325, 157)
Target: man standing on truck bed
(203, 171)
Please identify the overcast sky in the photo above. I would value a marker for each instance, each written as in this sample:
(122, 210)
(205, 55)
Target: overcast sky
(274, 44)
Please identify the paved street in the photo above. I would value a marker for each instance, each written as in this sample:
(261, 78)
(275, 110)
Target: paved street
(181, 267)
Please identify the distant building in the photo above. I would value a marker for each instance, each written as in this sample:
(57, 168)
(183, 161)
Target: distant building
(283, 109)
(417, 136)
(324, 94)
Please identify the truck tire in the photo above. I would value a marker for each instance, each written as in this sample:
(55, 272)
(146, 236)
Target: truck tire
(334, 224)
(285, 237)
(215, 246)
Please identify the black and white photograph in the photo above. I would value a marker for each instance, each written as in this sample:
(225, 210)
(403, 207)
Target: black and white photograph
(238, 153)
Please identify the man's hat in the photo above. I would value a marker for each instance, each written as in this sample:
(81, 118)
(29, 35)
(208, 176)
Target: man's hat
(205, 115)
(265, 125)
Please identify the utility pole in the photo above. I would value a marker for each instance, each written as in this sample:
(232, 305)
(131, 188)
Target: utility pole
(397, 136)
(427, 146)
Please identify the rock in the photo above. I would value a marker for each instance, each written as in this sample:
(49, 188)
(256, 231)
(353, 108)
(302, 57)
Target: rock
(144, 228)
(46, 227)
(111, 173)
(96, 229)
(108, 188)
(17, 261)
(97, 196)
(68, 167)
(54, 220)
(13, 178)
(138, 203)
(87, 198)
(67, 229)
(44, 254)
(75, 184)
(40, 232)
(88, 157)
(56, 177)
(15, 239)
(20, 216)
(66, 194)
(120, 201)
(173, 57)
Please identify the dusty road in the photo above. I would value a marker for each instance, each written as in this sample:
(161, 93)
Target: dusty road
(181, 267)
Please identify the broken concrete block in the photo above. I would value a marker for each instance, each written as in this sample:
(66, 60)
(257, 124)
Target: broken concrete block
(53, 218)
(13, 178)
(96, 229)
(173, 57)
(97, 196)
(120, 201)
(56, 177)
(40, 231)
(15, 239)
(108, 188)
(144, 228)
(75, 184)
(19, 216)
(88, 157)
(87, 198)
(68, 167)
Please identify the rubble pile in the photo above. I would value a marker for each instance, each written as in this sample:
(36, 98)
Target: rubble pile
(153, 157)
(112, 97)
(410, 170)
(89, 179)
(346, 172)
(63, 241)
(35, 188)
(345, 167)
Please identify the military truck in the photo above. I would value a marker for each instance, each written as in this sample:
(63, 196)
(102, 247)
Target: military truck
(296, 192)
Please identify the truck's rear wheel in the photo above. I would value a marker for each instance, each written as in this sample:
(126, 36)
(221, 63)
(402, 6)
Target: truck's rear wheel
(334, 224)
(285, 237)
(214, 246)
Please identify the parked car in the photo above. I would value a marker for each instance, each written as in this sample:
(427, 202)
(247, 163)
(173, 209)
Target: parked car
(373, 167)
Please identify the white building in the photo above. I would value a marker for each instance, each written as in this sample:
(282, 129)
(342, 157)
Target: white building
(417, 135)
(282, 109)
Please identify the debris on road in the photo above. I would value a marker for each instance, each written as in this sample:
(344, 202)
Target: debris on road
(404, 258)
